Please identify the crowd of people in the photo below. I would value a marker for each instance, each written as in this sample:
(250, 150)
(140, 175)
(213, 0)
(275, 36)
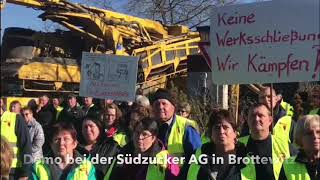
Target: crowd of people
(59, 139)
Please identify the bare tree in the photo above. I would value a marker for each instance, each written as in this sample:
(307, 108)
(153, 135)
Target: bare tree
(173, 12)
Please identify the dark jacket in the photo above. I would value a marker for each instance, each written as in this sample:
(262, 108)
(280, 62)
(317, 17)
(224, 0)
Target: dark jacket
(220, 170)
(46, 115)
(92, 111)
(24, 145)
(138, 171)
(105, 148)
(74, 116)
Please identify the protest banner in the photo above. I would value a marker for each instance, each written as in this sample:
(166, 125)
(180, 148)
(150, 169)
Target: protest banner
(108, 76)
(276, 41)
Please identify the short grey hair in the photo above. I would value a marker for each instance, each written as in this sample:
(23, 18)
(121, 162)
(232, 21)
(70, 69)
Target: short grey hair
(142, 101)
(306, 123)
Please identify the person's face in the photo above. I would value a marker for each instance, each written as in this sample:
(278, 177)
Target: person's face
(259, 119)
(311, 139)
(111, 117)
(223, 134)
(63, 144)
(72, 102)
(108, 101)
(265, 98)
(163, 109)
(55, 102)
(183, 112)
(1, 103)
(143, 141)
(90, 131)
(88, 101)
(315, 98)
(28, 116)
(44, 100)
(16, 108)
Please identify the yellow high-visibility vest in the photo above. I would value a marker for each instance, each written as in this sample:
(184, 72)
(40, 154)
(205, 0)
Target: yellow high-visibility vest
(280, 151)
(176, 137)
(8, 125)
(282, 128)
(295, 170)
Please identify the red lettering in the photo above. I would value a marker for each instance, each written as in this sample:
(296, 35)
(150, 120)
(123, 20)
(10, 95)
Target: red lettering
(317, 64)
(268, 66)
(250, 62)
(235, 19)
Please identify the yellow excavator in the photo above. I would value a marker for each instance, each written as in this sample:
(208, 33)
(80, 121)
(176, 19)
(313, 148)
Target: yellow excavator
(33, 61)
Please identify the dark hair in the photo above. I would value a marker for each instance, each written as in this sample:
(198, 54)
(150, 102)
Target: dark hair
(97, 122)
(63, 126)
(27, 109)
(256, 105)
(14, 103)
(218, 116)
(140, 112)
(146, 124)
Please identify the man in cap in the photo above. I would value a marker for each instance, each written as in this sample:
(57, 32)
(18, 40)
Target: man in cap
(180, 135)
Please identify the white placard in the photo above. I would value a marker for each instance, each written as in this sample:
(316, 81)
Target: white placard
(108, 76)
(267, 42)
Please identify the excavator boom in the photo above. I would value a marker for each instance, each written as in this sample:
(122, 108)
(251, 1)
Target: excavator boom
(163, 49)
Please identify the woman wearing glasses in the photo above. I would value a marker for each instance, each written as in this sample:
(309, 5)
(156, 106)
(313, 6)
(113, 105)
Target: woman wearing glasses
(36, 134)
(222, 146)
(65, 162)
(111, 118)
(144, 145)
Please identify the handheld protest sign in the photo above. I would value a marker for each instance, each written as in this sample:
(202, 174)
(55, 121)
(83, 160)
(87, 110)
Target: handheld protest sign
(108, 76)
(267, 42)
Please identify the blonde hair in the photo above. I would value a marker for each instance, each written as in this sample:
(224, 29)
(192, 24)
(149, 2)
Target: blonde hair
(303, 125)
(6, 158)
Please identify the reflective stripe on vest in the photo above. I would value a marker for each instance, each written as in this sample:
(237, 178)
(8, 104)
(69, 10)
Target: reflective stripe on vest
(288, 108)
(121, 138)
(59, 109)
(158, 171)
(248, 172)
(280, 151)
(8, 125)
(282, 128)
(314, 111)
(176, 137)
(42, 171)
(194, 167)
(205, 139)
(82, 172)
(155, 171)
(295, 170)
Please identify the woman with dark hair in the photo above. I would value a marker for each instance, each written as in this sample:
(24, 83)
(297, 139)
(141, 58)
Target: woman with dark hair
(144, 144)
(65, 162)
(96, 144)
(223, 135)
(137, 113)
(111, 118)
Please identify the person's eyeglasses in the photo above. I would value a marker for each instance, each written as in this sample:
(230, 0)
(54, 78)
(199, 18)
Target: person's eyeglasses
(142, 136)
